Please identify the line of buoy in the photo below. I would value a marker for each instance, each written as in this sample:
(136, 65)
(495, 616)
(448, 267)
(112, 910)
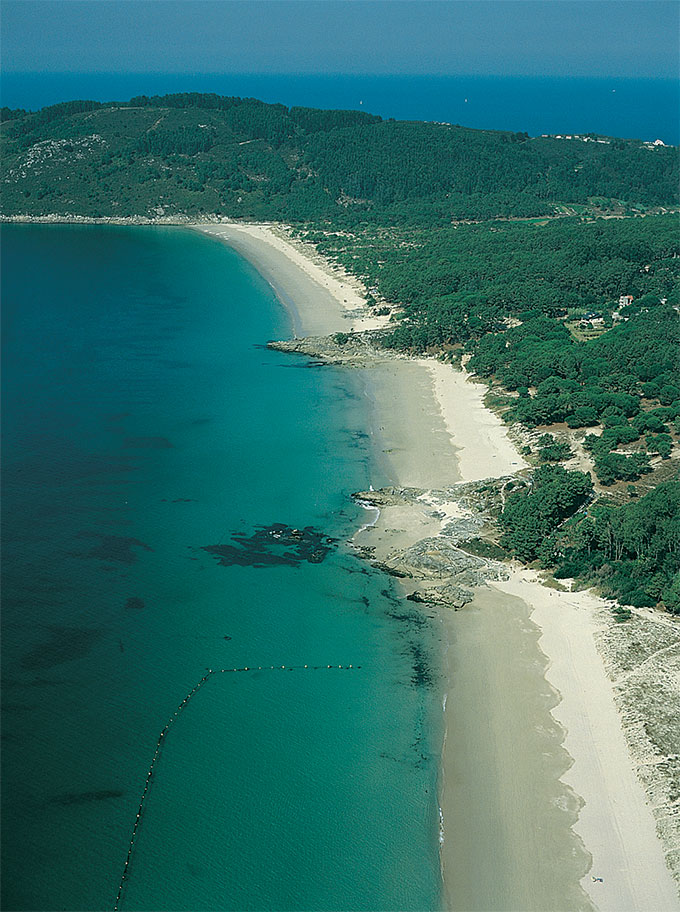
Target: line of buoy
(161, 741)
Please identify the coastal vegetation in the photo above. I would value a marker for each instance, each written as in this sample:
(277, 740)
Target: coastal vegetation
(195, 154)
(630, 551)
(528, 259)
(531, 516)
(510, 299)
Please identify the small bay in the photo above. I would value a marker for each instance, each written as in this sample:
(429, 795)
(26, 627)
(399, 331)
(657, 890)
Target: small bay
(157, 460)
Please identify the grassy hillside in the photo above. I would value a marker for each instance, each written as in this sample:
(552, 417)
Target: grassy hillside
(198, 154)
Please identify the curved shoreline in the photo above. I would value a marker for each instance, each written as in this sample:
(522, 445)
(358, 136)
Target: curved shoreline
(435, 430)
(325, 302)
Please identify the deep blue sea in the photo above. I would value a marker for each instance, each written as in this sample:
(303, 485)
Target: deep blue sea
(636, 108)
(144, 422)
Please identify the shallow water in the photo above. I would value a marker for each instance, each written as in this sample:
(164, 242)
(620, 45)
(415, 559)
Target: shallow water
(143, 424)
(507, 815)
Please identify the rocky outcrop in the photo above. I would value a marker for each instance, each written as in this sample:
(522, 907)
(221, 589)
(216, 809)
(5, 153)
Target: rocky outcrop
(434, 557)
(389, 496)
(464, 528)
(359, 349)
(435, 568)
(475, 498)
(449, 596)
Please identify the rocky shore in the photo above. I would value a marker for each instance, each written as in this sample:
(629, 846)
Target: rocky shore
(438, 569)
(353, 349)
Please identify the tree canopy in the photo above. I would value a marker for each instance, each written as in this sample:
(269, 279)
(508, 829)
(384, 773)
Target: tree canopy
(196, 153)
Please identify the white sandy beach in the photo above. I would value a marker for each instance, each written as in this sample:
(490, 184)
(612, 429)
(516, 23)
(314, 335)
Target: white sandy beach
(615, 822)
(329, 301)
(435, 430)
(483, 447)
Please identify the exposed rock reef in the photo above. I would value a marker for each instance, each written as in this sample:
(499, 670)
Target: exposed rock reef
(355, 349)
(437, 569)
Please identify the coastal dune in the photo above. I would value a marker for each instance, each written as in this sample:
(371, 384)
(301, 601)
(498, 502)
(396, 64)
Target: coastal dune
(542, 807)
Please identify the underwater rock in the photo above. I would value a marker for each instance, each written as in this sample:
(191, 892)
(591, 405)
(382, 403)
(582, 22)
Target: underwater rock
(114, 547)
(271, 546)
(64, 645)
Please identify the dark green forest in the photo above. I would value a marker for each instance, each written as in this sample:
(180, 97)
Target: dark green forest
(196, 154)
(630, 551)
(550, 267)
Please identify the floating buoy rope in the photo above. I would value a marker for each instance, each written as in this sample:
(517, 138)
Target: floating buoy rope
(161, 741)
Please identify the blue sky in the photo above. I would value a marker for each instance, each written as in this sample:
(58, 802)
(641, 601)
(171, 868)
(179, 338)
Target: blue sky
(510, 37)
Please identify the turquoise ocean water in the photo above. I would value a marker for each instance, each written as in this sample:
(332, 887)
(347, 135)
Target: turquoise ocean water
(143, 421)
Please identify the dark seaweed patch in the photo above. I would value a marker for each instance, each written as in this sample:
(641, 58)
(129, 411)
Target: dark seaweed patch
(413, 624)
(390, 596)
(363, 571)
(421, 672)
(358, 438)
(64, 645)
(272, 546)
(115, 547)
(134, 603)
(413, 618)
